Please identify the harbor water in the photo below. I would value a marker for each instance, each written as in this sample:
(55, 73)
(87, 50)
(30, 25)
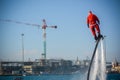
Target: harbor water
(57, 77)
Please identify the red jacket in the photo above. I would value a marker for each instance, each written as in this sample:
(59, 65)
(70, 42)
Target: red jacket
(92, 19)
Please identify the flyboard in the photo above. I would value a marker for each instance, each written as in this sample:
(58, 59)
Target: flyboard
(97, 42)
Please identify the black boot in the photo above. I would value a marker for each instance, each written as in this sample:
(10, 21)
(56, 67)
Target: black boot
(100, 36)
(95, 37)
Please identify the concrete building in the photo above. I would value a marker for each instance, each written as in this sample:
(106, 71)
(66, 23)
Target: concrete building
(28, 67)
(37, 67)
(9, 68)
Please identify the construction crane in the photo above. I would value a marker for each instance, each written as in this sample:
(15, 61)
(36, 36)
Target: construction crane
(44, 26)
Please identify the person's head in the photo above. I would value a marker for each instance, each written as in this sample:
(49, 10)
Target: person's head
(90, 12)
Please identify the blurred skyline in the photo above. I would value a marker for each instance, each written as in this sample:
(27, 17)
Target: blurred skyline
(70, 40)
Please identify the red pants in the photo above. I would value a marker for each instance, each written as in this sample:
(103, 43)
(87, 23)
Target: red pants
(93, 29)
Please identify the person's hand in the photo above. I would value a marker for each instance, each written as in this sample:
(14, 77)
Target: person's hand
(88, 25)
(98, 23)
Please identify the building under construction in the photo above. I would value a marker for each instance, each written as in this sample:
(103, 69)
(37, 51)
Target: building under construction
(37, 67)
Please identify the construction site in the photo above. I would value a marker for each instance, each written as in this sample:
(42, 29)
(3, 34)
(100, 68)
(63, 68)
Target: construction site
(42, 65)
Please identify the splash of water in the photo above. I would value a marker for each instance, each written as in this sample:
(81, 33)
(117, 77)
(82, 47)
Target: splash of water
(94, 69)
(103, 62)
(99, 64)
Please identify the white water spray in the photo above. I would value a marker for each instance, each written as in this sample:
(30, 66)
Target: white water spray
(94, 68)
(98, 67)
(103, 62)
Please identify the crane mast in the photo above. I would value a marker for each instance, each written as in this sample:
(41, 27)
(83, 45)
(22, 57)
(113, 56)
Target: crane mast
(44, 39)
(44, 26)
